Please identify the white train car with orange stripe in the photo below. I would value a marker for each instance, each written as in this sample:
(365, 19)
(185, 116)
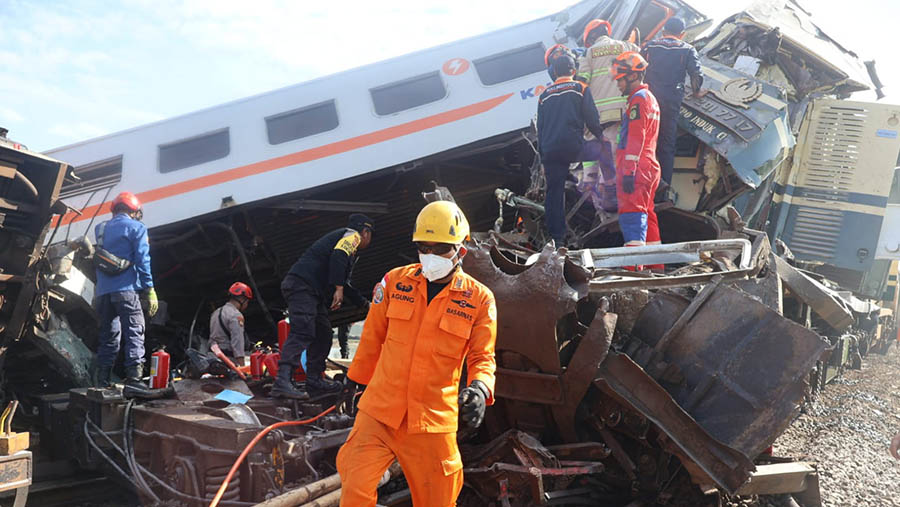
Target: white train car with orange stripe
(337, 127)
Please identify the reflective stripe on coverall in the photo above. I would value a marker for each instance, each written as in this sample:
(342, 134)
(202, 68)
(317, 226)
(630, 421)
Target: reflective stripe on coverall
(637, 156)
(410, 356)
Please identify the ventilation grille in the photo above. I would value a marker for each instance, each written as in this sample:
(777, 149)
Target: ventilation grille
(831, 166)
(816, 232)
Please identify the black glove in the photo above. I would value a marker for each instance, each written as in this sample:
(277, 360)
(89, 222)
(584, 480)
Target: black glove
(346, 401)
(472, 402)
(628, 184)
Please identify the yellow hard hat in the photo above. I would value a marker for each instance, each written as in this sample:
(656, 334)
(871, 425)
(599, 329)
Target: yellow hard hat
(441, 222)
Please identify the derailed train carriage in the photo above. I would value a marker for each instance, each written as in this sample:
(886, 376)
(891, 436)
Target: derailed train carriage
(630, 389)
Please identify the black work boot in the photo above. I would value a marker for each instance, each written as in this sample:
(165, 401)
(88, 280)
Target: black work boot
(102, 374)
(318, 385)
(284, 387)
(134, 387)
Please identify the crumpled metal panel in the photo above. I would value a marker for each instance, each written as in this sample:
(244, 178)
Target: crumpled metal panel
(534, 298)
(743, 365)
(826, 303)
(707, 460)
(754, 136)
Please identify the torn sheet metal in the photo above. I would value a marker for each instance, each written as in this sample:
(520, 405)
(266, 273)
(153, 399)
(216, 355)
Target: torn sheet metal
(708, 460)
(741, 366)
(797, 27)
(822, 300)
(743, 119)
(536, 297)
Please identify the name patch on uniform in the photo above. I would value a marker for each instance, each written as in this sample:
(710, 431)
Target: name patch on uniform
(460, 313)
(403, 297)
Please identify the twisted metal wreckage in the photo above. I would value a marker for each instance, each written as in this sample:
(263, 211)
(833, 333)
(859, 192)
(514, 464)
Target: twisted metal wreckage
(614, 387)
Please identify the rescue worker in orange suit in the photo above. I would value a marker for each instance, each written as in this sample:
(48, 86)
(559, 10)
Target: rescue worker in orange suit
(565, 108)
(593, 68)
(226, 324)
(425, 321)
(319, 281)
(670, 58)
(637, 170)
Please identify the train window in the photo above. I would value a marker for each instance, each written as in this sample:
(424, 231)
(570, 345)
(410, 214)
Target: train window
(651, 19)
(303, 122)
(92, 177)
(510, 65)
(194, 151)
(407, 94)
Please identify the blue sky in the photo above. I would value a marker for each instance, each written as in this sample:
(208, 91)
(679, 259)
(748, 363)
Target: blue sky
(72, 70)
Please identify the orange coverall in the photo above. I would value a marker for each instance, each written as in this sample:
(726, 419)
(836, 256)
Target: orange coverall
(410, 356)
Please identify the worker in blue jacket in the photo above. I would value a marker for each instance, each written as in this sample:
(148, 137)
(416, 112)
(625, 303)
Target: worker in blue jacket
(670, 59)
(122, 262)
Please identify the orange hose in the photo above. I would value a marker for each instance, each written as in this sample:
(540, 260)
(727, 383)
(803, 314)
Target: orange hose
(256, 439)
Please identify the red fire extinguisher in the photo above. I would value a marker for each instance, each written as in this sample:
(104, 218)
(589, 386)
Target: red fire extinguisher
(284, 329)
(256, 364)
(159, 369)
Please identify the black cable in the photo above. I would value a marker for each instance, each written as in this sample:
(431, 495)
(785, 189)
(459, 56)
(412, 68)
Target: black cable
(129, 453)
(150, 474)
(243, 254)
(109, 460)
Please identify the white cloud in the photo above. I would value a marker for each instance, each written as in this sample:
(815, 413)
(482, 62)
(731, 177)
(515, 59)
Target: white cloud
(9, 115)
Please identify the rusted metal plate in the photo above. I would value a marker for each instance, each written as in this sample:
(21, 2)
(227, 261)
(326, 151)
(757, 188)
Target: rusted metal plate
(530, 301)
(529, 386)
(707, 460)
(744, 366)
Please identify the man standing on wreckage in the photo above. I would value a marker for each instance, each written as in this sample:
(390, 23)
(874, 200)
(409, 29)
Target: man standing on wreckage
(425, 320)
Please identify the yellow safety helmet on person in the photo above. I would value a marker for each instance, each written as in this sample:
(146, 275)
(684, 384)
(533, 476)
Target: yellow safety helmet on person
(441, 222)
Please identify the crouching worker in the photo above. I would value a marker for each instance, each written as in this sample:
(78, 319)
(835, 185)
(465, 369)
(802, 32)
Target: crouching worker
(426, 319)
(226, 324)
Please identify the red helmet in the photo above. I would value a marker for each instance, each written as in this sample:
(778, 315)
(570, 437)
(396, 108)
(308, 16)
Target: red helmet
(592, 25)
(240, 289)
(628, 62)
(128, 200)
(556, 51)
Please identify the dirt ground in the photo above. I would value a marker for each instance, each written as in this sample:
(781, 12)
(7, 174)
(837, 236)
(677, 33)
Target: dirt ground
(847, 431)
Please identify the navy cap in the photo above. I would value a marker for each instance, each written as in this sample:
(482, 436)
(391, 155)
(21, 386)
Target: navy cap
(674, 25)
(358, 222)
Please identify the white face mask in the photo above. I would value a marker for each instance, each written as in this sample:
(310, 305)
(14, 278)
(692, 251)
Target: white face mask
(435, 267)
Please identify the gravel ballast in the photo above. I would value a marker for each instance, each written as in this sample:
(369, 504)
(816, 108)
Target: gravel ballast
(846, 431)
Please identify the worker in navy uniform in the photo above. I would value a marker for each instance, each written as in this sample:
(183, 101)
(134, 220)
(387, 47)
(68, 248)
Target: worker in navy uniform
(226, 324)
(319, 281)
(124, 285)
(670, 58)
(565, 108)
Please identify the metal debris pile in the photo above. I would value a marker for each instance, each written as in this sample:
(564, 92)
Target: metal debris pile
(615, 386)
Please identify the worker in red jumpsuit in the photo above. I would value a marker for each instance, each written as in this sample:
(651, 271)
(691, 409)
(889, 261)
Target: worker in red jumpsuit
(637, 170)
